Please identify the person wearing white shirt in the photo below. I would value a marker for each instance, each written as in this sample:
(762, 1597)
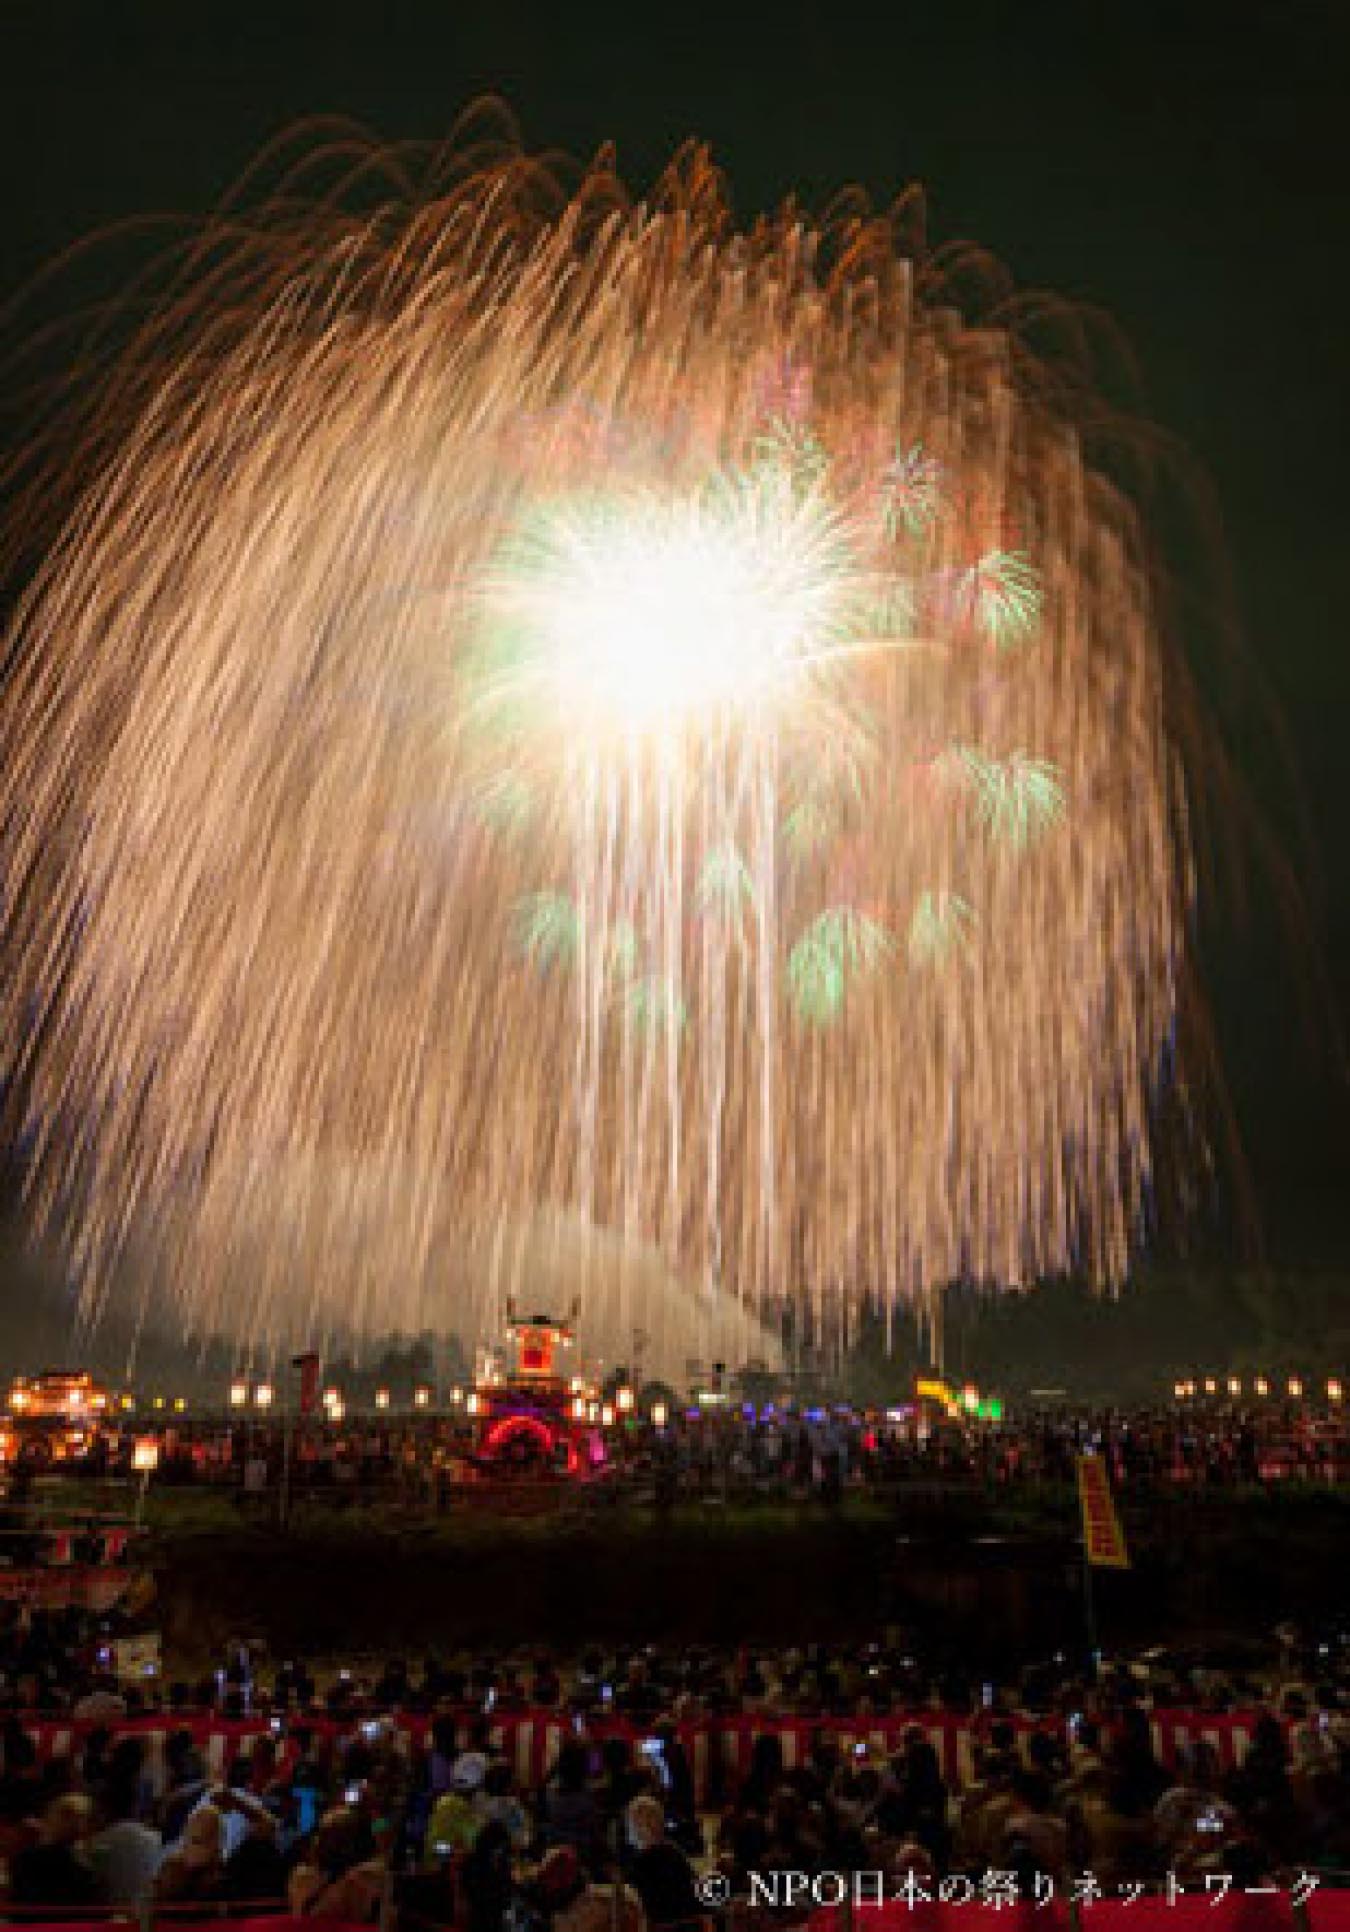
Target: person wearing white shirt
(125, 1855)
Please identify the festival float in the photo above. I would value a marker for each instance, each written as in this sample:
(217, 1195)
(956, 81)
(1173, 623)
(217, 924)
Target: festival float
(50, 1558)
(57, 1417)
(533, 1419)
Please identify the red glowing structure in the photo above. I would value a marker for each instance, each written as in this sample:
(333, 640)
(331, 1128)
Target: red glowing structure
(536, 1420)
(56, 1417)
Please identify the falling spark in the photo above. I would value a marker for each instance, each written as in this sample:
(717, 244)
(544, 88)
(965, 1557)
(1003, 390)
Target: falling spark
(536, 712)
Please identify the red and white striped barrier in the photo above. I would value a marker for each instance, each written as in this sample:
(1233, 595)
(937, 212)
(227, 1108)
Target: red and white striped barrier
(719, 1749)
(62, 1586)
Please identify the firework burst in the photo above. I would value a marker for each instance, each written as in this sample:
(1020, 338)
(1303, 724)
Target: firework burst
(555, 706)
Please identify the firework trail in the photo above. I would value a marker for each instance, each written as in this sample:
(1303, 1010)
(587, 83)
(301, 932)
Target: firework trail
(549, 705)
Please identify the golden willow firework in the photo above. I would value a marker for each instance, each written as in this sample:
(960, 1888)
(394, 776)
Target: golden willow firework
(556, 706)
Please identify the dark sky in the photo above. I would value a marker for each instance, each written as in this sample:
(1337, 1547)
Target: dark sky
(1183, 165)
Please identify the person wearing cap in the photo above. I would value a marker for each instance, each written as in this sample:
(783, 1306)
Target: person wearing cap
(469, 1771)
(457, 1817)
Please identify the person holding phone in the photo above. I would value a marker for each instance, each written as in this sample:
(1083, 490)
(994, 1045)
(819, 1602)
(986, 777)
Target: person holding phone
(1193, 1819)
(456, 1818)
(501, 1806)
(254, 1867)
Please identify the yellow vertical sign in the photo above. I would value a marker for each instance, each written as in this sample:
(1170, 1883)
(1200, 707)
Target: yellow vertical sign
(1103, 1538)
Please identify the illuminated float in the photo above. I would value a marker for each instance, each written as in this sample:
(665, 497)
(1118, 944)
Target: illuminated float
(56, 1417)
(534, 1419)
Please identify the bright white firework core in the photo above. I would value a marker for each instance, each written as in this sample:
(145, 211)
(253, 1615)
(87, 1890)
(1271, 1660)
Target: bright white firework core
(658, 613)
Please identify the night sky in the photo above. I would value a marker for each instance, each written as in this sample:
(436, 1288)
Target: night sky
(1183, 166)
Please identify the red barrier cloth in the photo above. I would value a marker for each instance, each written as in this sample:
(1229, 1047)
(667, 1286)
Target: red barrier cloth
(1328, 1911)
(171, 1922)
(933, 1915)
(1235, 1911)
(283, 1922)
(94, 1587)
(1189, 1912)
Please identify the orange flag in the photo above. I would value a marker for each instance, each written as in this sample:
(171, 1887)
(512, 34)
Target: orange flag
(1103, 1538)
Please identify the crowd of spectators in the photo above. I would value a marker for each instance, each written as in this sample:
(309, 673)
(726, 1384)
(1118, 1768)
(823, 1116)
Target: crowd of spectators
(736, 1448)
(336, 1804)
(334, 1800)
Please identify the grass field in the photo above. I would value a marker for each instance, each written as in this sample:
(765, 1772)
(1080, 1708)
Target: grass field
(996, 1575)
